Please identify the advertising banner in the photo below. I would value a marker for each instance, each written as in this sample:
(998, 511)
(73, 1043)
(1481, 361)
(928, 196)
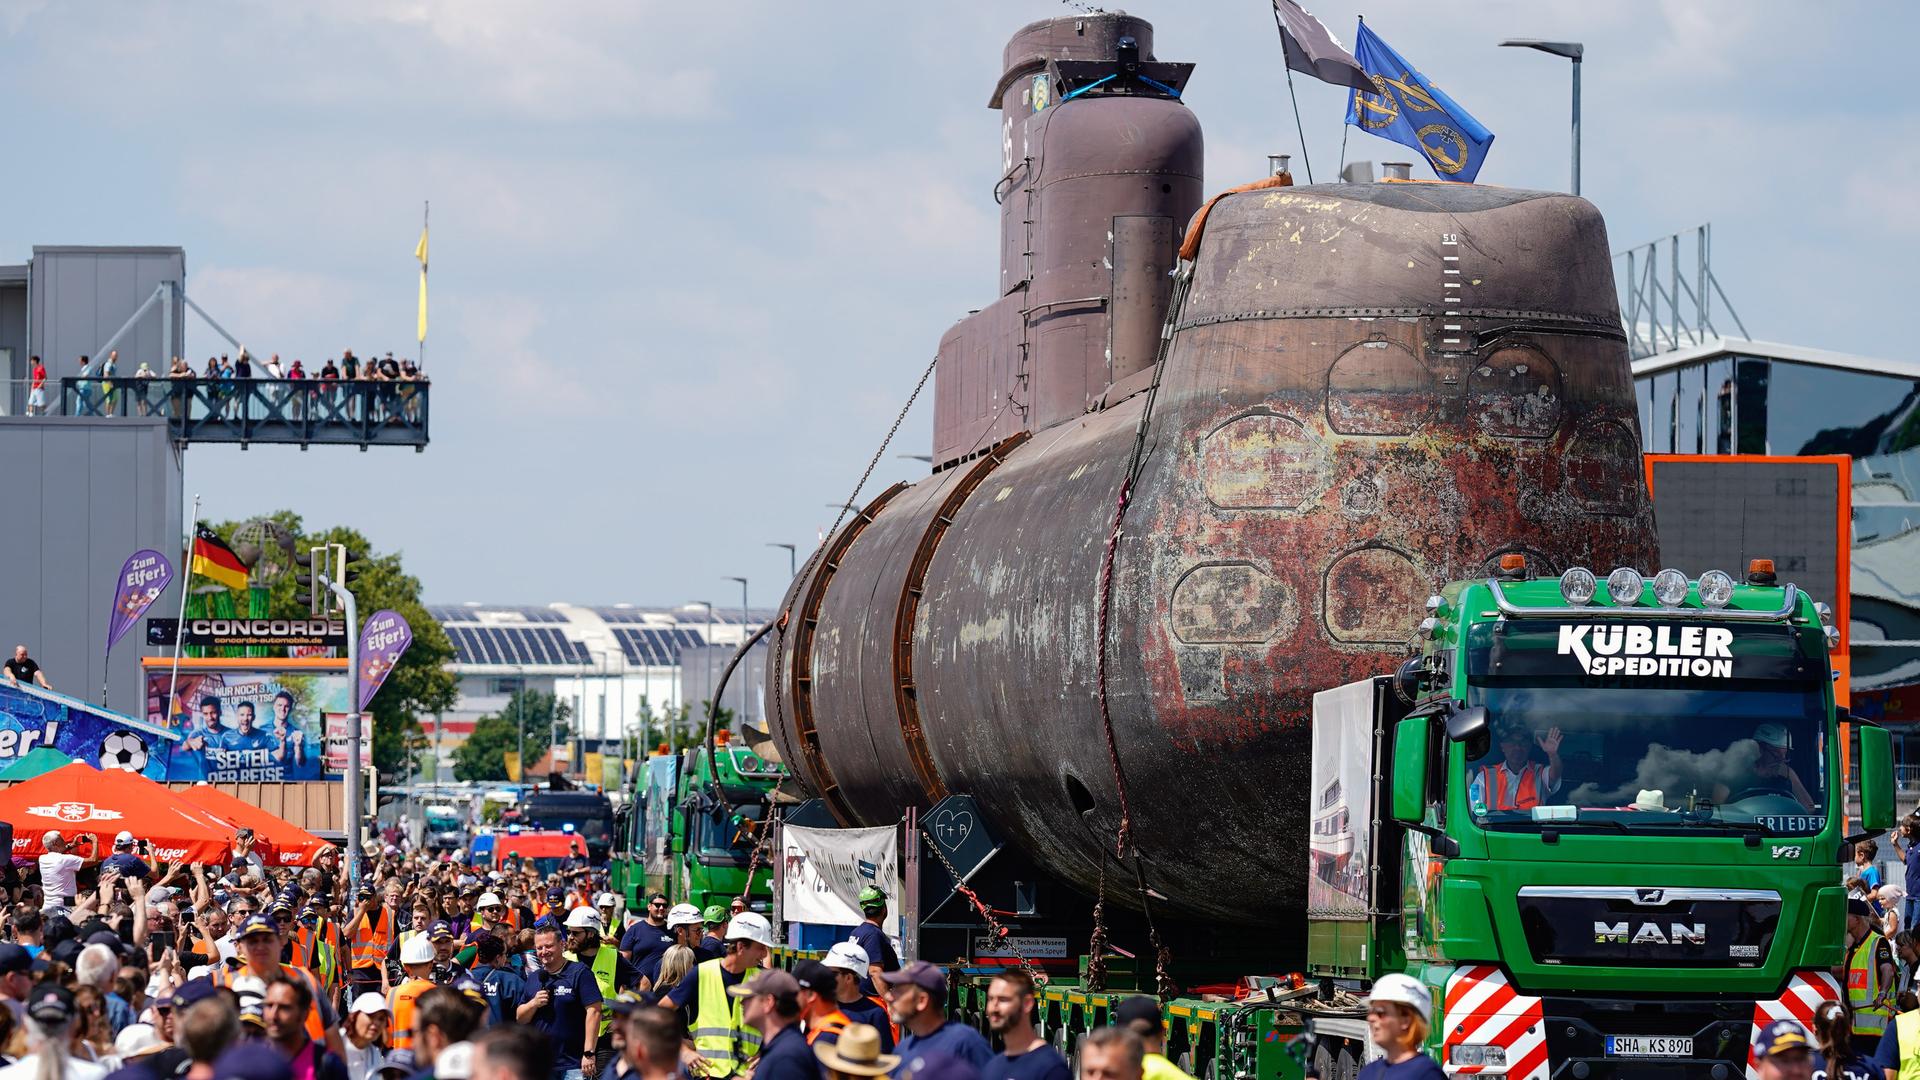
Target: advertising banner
(31, 718)
(270, 633)
(142, 580)
(239, 725)
(825, 869)
(339, 734)
(385, 636)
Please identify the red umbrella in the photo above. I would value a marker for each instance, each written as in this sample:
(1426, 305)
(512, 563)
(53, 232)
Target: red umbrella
(80, 800)
(291, 845)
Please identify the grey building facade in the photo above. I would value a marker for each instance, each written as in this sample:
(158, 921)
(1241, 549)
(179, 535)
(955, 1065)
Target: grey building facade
(83, 493)
(69, 301)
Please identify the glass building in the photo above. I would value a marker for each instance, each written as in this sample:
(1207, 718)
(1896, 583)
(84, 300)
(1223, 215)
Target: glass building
(1729, 396)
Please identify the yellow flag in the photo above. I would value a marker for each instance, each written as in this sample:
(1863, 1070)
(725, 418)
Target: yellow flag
(420, 252)
(513, 766)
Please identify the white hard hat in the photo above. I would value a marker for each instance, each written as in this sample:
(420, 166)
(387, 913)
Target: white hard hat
(748, 926)
(1406, 990)
(487, 900)
(683, 915)
(848, 956)
(583, 918)
(416, 950)
(606, 899)
(372, 1003)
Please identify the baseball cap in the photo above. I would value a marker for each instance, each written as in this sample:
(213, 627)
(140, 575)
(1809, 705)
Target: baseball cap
(257, 924)
(371, 1003)
(770, 981)
(194, 991)
(627, 1002)
(108, 938)
(251, 1061)
(455, 1062)
(50, 1003)
(13, 958)
(848, 956)
(920, 973)
(815, 976)
(1405, 990)
(1138, 1007)
(124, 839)
(683, 915)
(1779, 1037)
(441, 930)
(137, 1039)
(583, 918)
(400, 1061)
(416, 950)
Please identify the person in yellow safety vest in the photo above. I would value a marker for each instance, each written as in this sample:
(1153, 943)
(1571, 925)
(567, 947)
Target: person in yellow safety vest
(316, 947)
(258, 945)
(416, 958)
(849, 963)
(722, 1044)
(1870, 977)
(611, 973)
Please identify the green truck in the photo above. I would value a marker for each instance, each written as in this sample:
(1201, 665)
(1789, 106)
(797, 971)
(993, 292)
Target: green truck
(1601, 819)
(691, 834)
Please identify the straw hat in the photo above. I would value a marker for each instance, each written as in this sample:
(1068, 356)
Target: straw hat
(1650, 799)
(857, 1053)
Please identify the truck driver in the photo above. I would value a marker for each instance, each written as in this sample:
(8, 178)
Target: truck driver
(1770, 775)
(1516, 781)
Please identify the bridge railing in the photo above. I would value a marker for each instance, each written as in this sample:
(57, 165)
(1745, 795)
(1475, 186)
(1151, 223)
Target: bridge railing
(356, 412)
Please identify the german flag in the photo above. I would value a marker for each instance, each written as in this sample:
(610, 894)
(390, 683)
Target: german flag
(212, 558)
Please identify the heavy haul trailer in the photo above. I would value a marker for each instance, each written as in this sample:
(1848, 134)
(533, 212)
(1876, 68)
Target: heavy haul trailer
(1190, 470)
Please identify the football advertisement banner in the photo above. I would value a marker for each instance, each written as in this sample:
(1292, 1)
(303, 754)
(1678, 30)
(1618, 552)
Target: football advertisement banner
(142, 580)
(385, 636)
(824, 870)
(31, 718)
(246, 726)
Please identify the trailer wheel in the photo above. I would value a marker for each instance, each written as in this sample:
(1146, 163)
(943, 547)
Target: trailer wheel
(1323, 1061)
(1347, 1067)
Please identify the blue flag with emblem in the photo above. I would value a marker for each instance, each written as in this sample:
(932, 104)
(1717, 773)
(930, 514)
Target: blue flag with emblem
(1408, 109)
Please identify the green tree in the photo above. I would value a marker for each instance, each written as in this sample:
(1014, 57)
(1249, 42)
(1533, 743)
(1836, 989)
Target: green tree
(420, 684)
(543, 720)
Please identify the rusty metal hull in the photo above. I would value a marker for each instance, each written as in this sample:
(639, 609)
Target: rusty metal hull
(1344, 422)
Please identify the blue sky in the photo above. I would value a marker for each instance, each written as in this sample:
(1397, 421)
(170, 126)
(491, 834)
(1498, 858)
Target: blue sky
(688, 260)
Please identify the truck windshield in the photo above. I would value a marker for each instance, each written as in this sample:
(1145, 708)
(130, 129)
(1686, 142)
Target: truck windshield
(1672, 727)
(727, 837)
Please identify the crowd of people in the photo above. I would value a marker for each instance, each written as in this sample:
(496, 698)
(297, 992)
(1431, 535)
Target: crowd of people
(376, 389)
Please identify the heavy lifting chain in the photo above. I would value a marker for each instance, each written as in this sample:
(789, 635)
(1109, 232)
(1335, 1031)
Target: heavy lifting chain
(806, 571)
(994, 927)
(762, 837)
(1123, 833)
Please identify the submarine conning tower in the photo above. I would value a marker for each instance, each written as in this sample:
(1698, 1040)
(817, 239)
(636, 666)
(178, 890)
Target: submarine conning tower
(1100, 173)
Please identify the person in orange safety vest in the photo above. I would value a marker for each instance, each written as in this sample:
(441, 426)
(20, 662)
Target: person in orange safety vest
(1516, 781)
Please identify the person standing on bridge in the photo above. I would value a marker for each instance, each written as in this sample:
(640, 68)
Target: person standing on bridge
(22, 668)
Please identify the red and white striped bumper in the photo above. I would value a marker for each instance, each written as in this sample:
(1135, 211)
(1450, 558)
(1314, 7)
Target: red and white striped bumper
(1805, 991)
(1482, 1008)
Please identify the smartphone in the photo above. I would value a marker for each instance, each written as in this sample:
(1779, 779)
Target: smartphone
(158, 942)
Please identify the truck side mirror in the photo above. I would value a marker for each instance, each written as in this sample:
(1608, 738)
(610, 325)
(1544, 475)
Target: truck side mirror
(1876, 777)
(1410, 770)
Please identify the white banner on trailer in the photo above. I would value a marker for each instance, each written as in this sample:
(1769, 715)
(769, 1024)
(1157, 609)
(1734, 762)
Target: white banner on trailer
(825, 869)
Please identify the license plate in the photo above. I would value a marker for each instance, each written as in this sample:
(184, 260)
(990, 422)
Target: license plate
(1648, 1046)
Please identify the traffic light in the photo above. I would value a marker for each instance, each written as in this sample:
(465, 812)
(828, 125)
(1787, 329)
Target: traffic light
(332, 560)
(313, 594)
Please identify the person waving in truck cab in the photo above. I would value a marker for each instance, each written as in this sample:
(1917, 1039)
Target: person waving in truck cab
(1516, 781)
(1771, 773)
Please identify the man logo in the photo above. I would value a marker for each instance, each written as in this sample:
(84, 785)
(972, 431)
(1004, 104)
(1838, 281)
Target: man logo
(1649, 896)
(1605, 933)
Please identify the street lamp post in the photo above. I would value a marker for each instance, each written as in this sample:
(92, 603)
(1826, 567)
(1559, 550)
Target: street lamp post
(1573, 51)
(707, 651)
(793, 558)
(743, 717)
